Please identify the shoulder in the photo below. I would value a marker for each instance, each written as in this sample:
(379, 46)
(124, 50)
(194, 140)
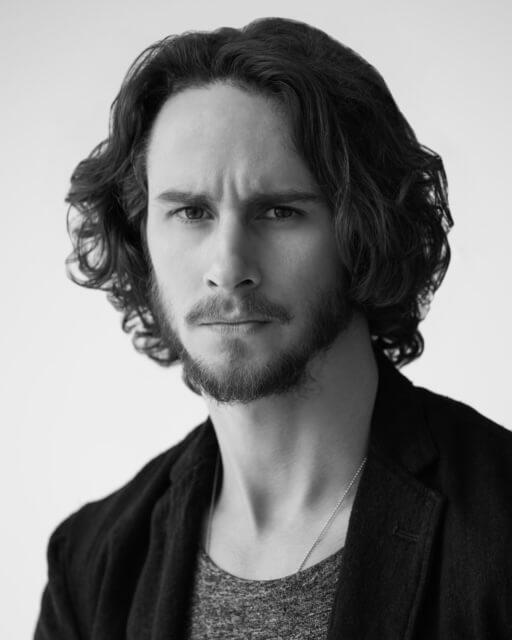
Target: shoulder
(129, 507)
(456, 425)
(100, 550)
(474, 452)
(472, 473)
(418, 428)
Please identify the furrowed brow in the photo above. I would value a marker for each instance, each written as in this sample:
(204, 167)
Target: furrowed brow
(258, 199)
(282, 197)
(185, 197)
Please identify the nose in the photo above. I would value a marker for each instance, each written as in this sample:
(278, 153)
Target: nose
(234, 263)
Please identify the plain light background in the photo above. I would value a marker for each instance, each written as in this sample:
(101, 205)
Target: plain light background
(81, 411)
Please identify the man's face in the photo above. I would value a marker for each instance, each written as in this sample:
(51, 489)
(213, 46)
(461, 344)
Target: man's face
(246, 279)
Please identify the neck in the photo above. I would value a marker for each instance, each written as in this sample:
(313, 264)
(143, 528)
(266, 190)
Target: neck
(292, 454)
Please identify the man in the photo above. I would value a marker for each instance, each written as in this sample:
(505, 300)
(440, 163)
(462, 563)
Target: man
(263, 213)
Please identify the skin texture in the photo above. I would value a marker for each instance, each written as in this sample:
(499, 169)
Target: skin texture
(290, 393)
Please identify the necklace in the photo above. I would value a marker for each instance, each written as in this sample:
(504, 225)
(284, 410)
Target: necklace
(322, 533)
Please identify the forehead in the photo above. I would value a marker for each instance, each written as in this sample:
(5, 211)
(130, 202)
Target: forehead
(219, 136)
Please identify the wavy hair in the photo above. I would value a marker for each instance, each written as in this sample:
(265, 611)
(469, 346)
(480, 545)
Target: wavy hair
(388, 193)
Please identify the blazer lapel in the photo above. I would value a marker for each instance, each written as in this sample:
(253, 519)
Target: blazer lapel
(393, 523)
(386, 556)
(161, 600)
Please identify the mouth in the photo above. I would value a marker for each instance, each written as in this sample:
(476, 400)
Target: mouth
(236, 322)
(238, 327)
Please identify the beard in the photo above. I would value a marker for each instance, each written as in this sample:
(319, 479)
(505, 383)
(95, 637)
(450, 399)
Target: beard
(327, 314)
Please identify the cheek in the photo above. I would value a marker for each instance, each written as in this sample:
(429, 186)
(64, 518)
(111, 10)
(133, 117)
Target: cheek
(168, 271)
(177, 285)
(162, 249)
(166, 252)
(309, 262)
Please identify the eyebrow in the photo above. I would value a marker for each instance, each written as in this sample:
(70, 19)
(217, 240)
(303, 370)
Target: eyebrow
(263, 198)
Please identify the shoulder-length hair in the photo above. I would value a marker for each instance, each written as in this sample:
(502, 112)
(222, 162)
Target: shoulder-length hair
(388, 193)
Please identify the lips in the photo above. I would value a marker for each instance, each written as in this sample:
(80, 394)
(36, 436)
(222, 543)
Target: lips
(238, 321)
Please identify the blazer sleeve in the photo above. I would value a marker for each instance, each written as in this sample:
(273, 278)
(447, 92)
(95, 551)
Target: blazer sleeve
(57, 620)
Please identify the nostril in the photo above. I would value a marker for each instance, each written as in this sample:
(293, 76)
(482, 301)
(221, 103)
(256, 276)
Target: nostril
(245, 283)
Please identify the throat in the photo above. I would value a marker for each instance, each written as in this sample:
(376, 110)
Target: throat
(235, 546)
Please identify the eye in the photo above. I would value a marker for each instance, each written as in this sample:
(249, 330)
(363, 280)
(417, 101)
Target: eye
(189, 214)
(281, 213)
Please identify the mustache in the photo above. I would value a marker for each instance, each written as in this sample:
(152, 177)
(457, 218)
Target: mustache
(252, 305)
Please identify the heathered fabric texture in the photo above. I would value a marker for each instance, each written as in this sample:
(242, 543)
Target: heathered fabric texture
(290, 608)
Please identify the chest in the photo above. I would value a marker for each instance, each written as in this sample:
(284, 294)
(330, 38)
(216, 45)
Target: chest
(294, 607)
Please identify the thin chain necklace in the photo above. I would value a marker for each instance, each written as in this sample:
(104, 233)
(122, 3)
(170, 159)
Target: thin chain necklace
(322, 533)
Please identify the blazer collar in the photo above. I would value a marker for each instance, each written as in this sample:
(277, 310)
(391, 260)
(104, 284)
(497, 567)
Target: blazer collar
(394, 520)
(399, 429)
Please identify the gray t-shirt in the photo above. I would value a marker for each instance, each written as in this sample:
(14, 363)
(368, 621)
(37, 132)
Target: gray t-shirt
(294, 607)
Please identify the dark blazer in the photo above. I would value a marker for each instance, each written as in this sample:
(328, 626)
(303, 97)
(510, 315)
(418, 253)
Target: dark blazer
(428, 552)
